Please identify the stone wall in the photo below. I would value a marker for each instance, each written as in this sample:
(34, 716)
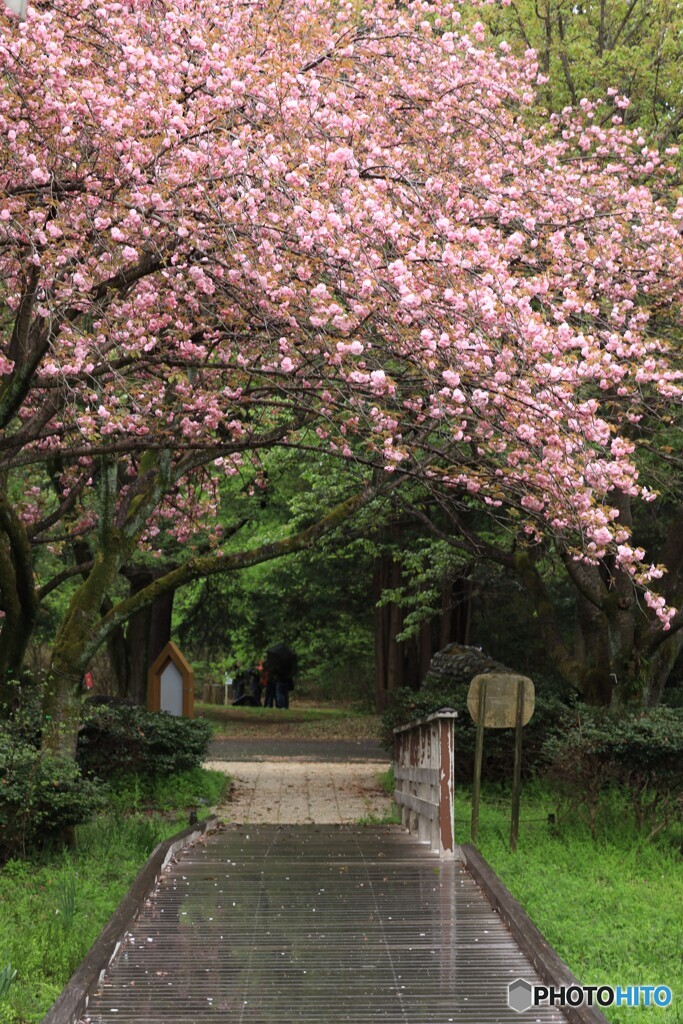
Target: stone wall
(456, 665)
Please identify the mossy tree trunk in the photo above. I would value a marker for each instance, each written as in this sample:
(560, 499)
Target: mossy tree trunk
(79, 636)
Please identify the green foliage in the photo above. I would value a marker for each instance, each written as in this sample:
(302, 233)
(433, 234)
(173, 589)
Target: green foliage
(7, 976)
(66, 900)
(387, 781)
(613, 913)
(633, 46)
(54, 905)
(549, 716)
(193, 788)
(40, 795)
(425, 564)
(641, 753)
(319, 602)
(124, 738)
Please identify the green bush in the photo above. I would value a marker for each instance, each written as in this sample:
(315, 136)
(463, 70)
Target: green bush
(640, 753)
(40, 795)
(548, 717)
(123, 738)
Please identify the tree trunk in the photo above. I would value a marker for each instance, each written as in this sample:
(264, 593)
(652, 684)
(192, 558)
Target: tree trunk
(660, 665)
(381, 634)
(395, 672)
(75, 644)
(597, 678)
(426, 647)
(147, 634)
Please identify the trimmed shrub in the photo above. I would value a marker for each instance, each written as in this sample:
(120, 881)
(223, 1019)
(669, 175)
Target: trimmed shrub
(446, 685)
(40, 795)
(639, 752)
(117, 739)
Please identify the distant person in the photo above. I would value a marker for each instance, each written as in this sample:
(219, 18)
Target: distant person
(280, 666)
(268, 684)
(255, 685)
(238, 684)
(247, 688)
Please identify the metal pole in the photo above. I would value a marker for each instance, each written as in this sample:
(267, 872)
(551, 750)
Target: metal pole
(478, 754)
(517, 772)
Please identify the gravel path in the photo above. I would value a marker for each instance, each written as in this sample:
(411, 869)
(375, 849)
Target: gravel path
(295, 792)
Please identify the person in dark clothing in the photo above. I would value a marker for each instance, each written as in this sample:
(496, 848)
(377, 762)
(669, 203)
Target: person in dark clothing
(280, 667)
(247, 688)
(255, 684)
(268, 686)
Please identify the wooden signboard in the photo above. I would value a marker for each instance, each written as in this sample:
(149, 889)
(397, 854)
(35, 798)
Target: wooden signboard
(500, 706)
(499, 701)
(170, 683)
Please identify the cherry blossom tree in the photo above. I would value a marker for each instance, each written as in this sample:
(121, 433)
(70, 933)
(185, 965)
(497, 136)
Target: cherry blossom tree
(224, 227)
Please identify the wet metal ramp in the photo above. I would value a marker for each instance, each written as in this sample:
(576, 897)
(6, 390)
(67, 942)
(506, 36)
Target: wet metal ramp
(275, 925)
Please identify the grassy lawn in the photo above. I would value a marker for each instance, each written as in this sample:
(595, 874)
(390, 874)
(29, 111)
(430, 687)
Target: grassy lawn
(612, 909)
(301, 721)
(53, 907)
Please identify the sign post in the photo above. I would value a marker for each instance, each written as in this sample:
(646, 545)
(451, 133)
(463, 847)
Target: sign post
(478, 755)
(498, 701)
(517, 770)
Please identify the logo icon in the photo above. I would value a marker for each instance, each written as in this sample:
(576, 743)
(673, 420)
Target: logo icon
(520, 995)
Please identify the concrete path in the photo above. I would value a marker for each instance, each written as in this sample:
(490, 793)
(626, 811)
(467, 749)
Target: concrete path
(292, 792)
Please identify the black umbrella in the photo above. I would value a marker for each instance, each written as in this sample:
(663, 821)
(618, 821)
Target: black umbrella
(281, 661)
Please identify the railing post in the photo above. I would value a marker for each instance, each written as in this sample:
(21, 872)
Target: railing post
(447, 787)
(424, 779)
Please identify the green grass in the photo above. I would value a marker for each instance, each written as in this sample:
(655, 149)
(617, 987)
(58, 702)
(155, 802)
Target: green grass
(611, 908)
(392, 816)
(387, 781)
(305, 722)
(195, 788)
(53, 907)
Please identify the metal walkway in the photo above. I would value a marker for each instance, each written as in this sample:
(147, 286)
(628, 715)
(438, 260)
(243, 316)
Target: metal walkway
(276, 925)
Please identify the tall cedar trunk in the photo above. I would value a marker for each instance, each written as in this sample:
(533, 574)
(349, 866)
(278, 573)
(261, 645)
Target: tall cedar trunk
(406, 663)
(446, 620)
(426, 647)
(137, 655)
(118, 662)
(137, 642)
(395, 666)
(133, 649)
(148, 633)
(160, 626)
(381, 634)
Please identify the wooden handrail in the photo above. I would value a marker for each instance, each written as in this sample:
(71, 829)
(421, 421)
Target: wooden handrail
(423, 774)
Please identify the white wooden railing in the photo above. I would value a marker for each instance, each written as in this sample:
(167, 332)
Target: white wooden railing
(423, 775)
